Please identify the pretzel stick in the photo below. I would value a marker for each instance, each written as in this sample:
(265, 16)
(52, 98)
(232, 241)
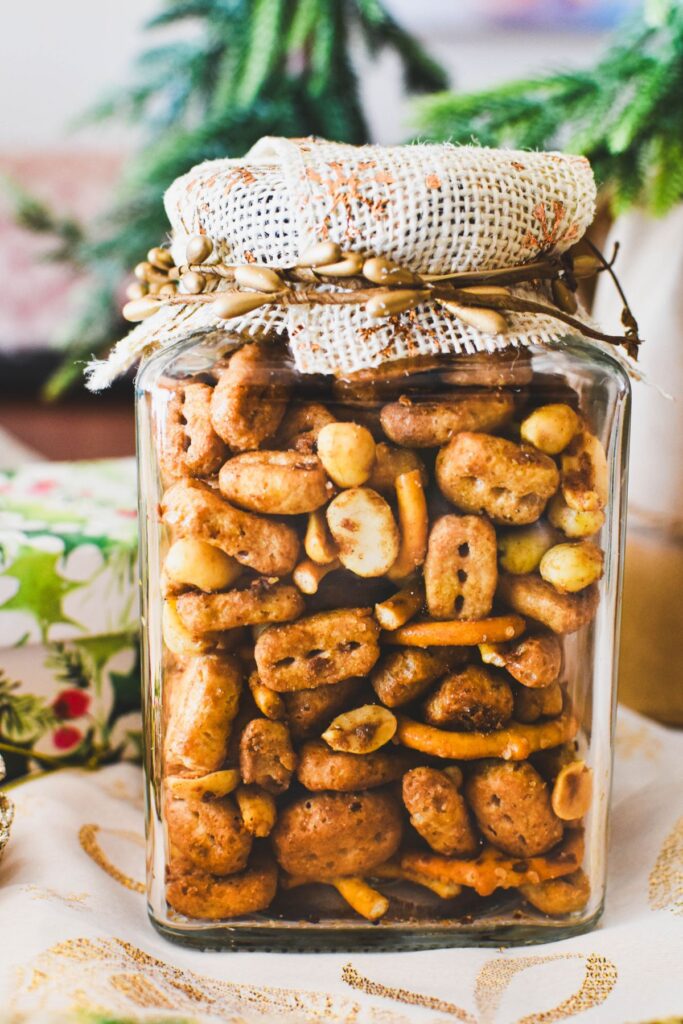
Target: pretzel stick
(513, 743)
(495, 870)
(457, 632)
(414, 523)
(308, 575)
(397, 610)
(360, 896)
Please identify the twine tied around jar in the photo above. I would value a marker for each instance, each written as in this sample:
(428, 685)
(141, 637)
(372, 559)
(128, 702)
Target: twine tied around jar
(363, 255)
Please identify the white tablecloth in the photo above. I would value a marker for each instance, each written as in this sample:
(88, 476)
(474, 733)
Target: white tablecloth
(76, 944)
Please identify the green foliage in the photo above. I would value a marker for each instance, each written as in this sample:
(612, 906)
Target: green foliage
(247, 68)
(23, 716)
(625, 113)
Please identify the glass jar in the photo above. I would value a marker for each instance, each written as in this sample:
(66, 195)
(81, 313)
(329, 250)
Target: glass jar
(380, 636)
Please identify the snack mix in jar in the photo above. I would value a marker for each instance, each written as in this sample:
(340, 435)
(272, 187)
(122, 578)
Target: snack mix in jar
(382, 484)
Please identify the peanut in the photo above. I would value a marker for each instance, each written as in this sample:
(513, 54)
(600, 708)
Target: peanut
(365, 531)
(216, 784)
(574, 523)
(550, 428)
(572, 791)
(258, 810)
(347, 451)
(572, 567)
(521, 550)
(585, 476)
(362, 730)
(195, 563)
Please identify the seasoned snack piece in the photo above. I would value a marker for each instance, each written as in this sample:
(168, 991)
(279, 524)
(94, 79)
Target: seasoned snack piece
(461, 569)
(404, 675)
(198, 787)
(320, 768)
(456, 632)
(278, 483)
(263, 601)
(194, 563)
(521, 548)
(266, 755)
(493, 869)
(362, 730)
(393, 869)
(572, 523)
(511, 803)
(550, 428)
(414, 525)
(585, 476)
(363, 527)
(397, 610)
(206, 835)
(208, 898)
(532, 596)
(309, 712)
(438, 812)
(508, 367)
(347, 451)
(508, 481)
(475, 699)
(309, 575)
(188, 444)
(248, 402)
(390, 463)
(514, 743)
(191, 509)
(572, 567)
(431, 424)
(318, 650)
(331, 834)
(533, 660)
(267, 701)
(360, 896)
(184, 644)
(301, 425)
(559, 895)
(201, 709)
(258, 810)
(544, 702)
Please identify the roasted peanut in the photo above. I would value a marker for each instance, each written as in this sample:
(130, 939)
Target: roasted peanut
(572, 567)
(475, 699)
(510, 482)
(438, 812)
(550, 428)
(347, 451)
(188, 444)
(542, 702)
(585, 476)
(318, 650)
(215, 784)
(262, 602)
(389, 464)
(266, 755)
(194, 563)
(397, 610)
(267, 701)
(318, 543)
(521, 549)
(461, 570)
(258, 810)
(191, 509)
(431, 424)
(201, 709)
(279, 483)
(572, 523)
(361, 731)
(572, 791)
(248, 401)
(363, 527)
(559, 895)
(403, 675)
(563, 613)
(511, 803)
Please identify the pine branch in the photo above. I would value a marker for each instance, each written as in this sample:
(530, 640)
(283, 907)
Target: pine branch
(625, 113)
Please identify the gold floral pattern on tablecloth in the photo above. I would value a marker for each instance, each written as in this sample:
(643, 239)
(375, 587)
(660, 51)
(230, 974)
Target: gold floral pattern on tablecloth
(665, 884)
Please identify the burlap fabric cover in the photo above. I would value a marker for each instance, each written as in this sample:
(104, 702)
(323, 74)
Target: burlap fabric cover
(434, 208)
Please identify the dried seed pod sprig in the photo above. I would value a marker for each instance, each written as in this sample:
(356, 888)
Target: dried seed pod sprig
(479, 299)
